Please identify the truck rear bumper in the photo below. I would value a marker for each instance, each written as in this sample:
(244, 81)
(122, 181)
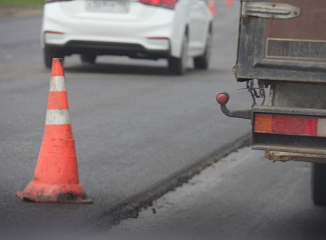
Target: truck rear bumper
(294, 130)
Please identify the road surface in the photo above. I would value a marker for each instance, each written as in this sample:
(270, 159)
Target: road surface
(243, 196)
(136, 127)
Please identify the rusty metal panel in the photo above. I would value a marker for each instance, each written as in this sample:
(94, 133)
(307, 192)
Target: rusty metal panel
(303, 95)
(291, 49)
(289, 156)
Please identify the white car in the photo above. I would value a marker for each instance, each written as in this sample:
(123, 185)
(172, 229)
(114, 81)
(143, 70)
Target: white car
(147, 29)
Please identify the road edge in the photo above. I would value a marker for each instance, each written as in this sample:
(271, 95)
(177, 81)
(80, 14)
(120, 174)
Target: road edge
(131, 206)
(13, 11)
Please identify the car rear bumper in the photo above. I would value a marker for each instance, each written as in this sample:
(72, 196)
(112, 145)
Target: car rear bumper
(109, 48)
(75, 35)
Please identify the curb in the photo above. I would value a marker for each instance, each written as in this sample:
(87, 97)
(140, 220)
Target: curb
(131, 207)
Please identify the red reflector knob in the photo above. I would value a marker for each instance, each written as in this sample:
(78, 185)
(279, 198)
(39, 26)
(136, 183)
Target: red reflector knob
(222, 98)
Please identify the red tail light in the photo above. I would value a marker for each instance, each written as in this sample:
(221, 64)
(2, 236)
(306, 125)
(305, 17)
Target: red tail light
(51, 1)
(53, 32)
(290, 125)
(160, 3)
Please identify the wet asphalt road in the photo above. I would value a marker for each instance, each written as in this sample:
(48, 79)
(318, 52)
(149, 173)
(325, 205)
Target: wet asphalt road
(135, 126)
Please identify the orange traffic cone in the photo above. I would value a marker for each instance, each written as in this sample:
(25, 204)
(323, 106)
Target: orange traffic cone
(56, 174)
(229, 3)
(211, 7)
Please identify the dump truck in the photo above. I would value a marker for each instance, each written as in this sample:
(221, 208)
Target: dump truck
(281, 57)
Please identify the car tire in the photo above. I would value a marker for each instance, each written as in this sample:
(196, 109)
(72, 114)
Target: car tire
(178, 66)
(88, 58)
(49, 54)
(202, 62)
(318, 184)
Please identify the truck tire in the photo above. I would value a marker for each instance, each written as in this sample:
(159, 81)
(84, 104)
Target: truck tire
(318, 184)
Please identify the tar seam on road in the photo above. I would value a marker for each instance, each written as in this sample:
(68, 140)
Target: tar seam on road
(131, 207)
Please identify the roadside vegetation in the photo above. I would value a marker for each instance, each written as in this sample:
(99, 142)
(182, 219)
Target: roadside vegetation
(21, 2)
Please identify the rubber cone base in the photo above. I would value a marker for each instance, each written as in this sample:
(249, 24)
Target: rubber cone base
(54, 193)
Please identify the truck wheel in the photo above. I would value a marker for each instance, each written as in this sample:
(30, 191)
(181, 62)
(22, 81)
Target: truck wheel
(49, 54)
(318, 184)
(178, 66)
(88, 58)
(202, 62)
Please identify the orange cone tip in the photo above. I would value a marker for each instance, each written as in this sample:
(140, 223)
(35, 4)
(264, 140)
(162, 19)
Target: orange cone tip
(229, 3)
(56, 176)
(211, 7)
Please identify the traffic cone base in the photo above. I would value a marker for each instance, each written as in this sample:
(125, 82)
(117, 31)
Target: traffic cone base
(60, 193)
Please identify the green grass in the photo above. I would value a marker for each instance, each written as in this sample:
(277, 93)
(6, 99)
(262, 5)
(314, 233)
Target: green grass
(21, 2)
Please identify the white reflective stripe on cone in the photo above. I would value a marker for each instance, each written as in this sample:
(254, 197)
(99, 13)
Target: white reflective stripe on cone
(57, 117)
(57, 84)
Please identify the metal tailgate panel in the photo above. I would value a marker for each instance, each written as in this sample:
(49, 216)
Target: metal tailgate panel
(291, 49)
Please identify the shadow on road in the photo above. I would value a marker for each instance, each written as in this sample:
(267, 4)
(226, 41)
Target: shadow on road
(131, 69)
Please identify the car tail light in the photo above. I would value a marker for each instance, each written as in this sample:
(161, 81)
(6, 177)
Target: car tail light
(160, 3)
(158, 38)
(53, 32)
(290, 125)
(51, 1)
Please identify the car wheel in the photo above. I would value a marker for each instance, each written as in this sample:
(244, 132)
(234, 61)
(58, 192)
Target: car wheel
(88, 58)
(318, 183)
(202, 62)
(178, 66)
(49, 54)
